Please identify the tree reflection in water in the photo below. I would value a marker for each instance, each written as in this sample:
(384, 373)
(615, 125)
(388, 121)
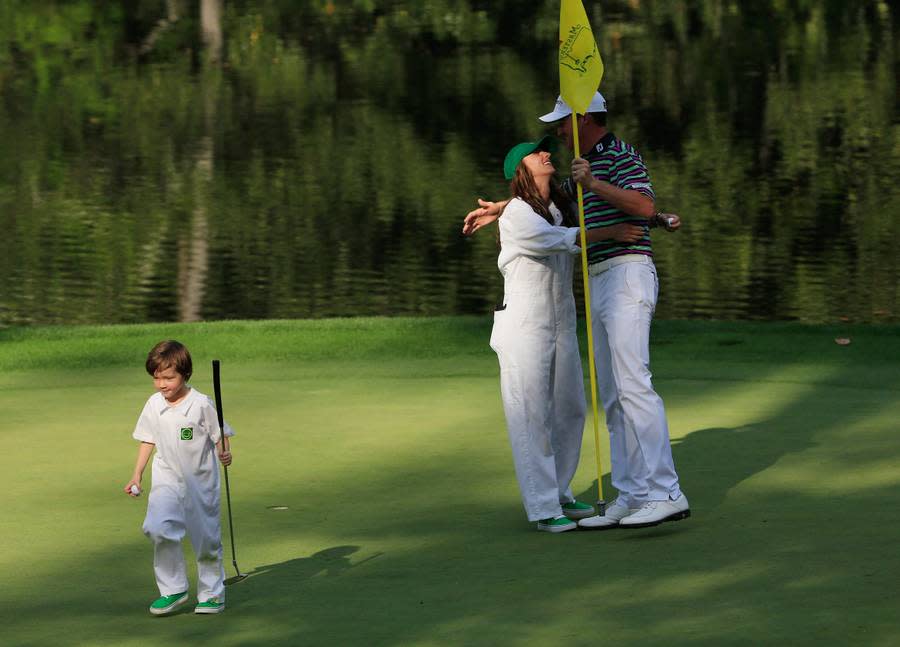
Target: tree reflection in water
(190, 159)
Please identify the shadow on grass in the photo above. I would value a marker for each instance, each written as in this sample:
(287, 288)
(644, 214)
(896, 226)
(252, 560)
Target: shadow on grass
(712, 462)
(331, 562)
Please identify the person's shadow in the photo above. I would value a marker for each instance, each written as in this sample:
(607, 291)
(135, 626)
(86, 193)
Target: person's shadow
(330, 562)
(711, 462)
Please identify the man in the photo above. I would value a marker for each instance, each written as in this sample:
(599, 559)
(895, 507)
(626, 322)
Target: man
(624, 289)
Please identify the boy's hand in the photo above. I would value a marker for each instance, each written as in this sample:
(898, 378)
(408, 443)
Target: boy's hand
(225, 458)
(133, 482)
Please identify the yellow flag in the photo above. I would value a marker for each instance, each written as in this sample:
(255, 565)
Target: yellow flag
(580, 66)
(580, 71)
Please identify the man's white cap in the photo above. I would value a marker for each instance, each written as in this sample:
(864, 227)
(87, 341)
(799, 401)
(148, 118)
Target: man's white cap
(562, 109)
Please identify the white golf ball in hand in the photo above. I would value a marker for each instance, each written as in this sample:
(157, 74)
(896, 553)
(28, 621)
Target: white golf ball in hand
(135, 490)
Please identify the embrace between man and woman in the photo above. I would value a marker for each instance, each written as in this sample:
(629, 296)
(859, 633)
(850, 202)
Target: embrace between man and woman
(541, 377)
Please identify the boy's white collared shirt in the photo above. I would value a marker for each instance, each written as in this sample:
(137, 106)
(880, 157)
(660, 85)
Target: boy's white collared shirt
(185, 436)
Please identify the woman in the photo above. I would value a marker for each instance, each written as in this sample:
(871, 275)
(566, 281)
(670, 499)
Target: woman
(541, 378)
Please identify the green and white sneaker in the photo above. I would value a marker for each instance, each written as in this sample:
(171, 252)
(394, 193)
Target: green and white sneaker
(210, 606)
(168, 603)
(577, 510)
(556, 524)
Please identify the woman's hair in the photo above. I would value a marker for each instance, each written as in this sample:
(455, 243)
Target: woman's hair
(523, 187)
(170, 354)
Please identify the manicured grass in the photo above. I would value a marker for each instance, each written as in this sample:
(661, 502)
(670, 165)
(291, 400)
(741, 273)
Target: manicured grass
(385, 439)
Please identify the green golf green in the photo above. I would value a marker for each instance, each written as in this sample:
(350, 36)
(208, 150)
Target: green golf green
(375, 502)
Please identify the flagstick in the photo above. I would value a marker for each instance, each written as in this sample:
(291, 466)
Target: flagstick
(601, 504)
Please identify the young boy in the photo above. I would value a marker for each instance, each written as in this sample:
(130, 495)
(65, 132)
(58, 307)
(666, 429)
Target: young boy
(182, 425)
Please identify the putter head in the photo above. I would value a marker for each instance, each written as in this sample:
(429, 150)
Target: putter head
(240, 577)
(601, 508)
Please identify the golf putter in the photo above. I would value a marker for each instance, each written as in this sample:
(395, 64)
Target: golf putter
(217, 388)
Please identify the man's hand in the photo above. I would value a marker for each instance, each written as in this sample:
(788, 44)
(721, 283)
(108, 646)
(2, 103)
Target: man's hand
(485, 214)
(581, 173)
(669, 221)
(225, 458)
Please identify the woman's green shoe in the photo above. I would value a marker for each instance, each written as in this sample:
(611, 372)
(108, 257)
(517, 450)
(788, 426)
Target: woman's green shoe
(168, 603)
(210, 606)
(577, 510)
(556, 524)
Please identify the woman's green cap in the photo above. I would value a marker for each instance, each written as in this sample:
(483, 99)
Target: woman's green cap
(520, 151)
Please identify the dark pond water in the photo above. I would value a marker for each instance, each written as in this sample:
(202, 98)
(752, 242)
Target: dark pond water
(188, 160)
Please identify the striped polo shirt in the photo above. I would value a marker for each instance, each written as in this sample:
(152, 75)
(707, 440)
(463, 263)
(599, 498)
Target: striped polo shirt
(618, 163)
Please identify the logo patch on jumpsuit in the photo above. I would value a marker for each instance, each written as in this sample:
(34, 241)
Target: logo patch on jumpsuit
(187, 433)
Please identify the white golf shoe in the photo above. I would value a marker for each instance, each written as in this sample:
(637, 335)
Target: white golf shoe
(614, 514)
(654, 513)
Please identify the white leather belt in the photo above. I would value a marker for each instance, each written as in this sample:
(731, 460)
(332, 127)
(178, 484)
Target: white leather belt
(599, 268)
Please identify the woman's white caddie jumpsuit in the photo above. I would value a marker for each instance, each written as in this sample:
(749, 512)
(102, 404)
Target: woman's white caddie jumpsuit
(184, 497)
(541, 378)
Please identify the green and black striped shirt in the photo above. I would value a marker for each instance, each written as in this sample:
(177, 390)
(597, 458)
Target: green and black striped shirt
(618, 163)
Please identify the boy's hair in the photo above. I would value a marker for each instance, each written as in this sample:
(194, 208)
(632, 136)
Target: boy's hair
(170, 353)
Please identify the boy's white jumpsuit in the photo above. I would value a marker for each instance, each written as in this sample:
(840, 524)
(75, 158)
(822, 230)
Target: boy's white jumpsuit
(184, 497)
(541, 378)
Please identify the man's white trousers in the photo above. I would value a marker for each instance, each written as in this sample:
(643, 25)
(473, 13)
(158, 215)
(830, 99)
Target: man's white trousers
(623, 299)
